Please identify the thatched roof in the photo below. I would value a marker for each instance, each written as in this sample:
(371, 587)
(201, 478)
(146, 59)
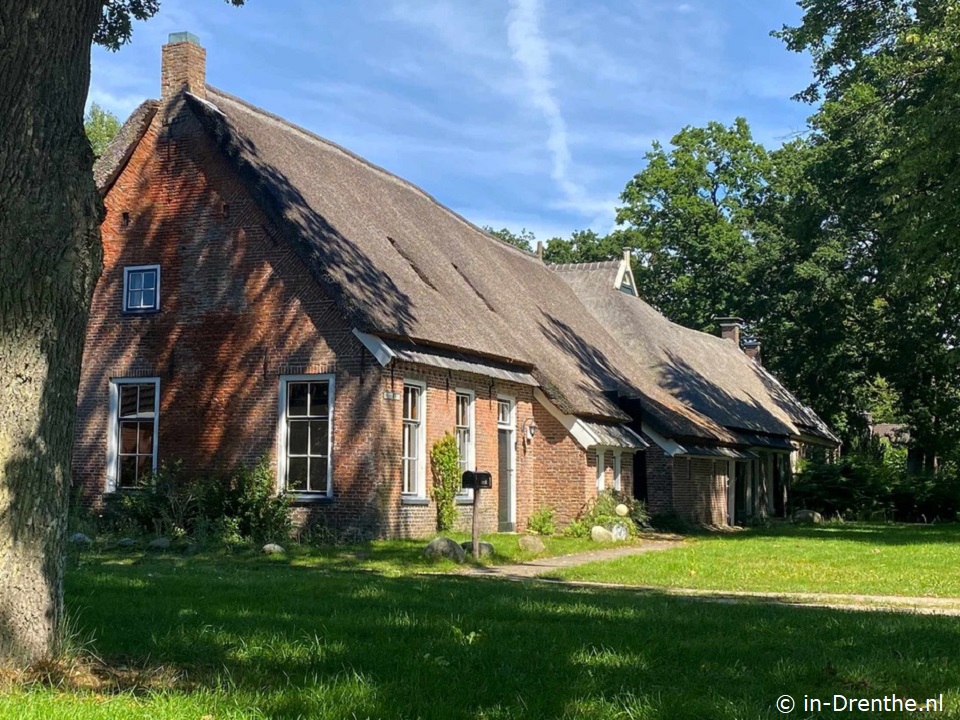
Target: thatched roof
(705, 372)
(403, 267)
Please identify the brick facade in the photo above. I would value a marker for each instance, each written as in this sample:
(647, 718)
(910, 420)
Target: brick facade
(238, 309)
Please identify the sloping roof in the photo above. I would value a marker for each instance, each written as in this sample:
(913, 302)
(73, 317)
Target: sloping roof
(705, 372)
(402, 266)
(109, 165)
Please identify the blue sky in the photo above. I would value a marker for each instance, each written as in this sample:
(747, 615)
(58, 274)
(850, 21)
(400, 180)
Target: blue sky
(518, 113)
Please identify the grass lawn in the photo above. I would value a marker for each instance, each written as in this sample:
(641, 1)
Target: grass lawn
(873, 559)
(244, 636)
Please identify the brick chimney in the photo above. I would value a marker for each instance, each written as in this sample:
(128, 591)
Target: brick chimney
(751, 348)
(184, 66)
(730, 328)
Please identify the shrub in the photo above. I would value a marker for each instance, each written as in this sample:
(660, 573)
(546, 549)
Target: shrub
(541, 522)
(602, 511)
(445, 463)
(229, 508)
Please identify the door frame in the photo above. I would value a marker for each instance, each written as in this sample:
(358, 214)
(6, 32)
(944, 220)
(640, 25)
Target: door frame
(511, 428)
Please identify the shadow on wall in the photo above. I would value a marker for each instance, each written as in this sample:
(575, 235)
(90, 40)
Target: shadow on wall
(237, 310)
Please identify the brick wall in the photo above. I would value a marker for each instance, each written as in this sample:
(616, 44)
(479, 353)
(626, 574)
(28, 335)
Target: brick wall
(238, 310)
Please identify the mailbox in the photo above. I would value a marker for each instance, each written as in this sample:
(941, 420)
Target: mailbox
(477, 480)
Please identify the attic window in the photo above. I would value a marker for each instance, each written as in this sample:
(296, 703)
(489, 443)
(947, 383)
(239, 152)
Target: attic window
(141, 289)
(125, 219)
(626, 285)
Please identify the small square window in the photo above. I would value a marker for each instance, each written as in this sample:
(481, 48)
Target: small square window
(141, 289)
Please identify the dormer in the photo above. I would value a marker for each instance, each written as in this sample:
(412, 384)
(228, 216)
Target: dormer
(625, 281)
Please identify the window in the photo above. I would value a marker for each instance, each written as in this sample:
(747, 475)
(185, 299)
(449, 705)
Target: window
(503, 414)
(414, 438)
(306, 402)
(132, 443)
(617, 470)
(601, 470)
(141, 289)
(464, 432)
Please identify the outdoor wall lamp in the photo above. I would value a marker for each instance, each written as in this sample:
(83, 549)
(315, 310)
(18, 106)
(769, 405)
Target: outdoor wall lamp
(529, 429)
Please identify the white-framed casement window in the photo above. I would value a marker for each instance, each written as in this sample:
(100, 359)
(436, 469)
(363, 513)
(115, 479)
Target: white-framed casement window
(141, 289)
(601, 470)
(414, 455)
(618, 470)
(305, 434)
(133, 429)
(465, 431)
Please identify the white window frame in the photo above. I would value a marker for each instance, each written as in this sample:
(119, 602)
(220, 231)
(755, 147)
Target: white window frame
(420, 484)
(282, 432)
(113, 427)
(511, 426)
(126, 277)
(601, 469)
(466, 494)
(618, 470)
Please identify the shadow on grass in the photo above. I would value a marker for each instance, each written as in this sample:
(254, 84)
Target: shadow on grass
(295, 641)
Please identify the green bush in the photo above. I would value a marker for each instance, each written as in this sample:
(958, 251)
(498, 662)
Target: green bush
(542, 522)
(875, 485)
(228, 508)
(602, 511)
(445, 463)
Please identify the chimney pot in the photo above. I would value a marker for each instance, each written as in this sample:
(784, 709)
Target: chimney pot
(751, 348)
(183, 66)
(730, 328)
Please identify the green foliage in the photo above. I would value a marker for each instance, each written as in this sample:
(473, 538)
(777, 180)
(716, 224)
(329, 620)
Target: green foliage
(587, 246)
(445, 464)
(101, 127)
(116, 21)
(524, 240)
(228, 508)
(602, 511)
(873, 484)
(542, 521)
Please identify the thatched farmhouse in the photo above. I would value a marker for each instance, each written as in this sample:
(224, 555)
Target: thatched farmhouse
(268, 293)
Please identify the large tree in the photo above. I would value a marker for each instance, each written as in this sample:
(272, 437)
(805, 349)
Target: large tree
(50, 214)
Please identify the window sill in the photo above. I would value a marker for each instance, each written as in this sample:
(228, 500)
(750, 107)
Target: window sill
(465, 501)
(140, 313)
(301, 499)
(413, 500)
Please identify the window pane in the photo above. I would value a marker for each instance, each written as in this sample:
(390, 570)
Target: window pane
(319, 436)
(463, 412)
(409, 476)
(149, 280)
(136, 299)
(149, 298)
(319, 399)
(144, 469)
(318, 474)
(128, 438)
(298, 436)
(148, 400)
(128, 471)
(135, 280)
(297, 473)
(128, 400)
(503, 412)
(297, 398)
(411, 402)
(145, 445)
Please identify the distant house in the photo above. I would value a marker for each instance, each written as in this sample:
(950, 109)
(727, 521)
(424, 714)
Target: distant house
(268, 293)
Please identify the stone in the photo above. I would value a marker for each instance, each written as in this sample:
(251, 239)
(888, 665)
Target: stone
(621, 510)
(486, 549)
(601, 534)
(159, 544)
(272, 549)
(531, 544)
(443, 547)
(620, 532)
(807, 517)
(126, 542)
(80, 539)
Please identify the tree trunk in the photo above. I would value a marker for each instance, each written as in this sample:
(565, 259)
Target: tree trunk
(50, 258)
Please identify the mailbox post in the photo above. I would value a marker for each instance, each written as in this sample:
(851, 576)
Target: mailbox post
(477, 481)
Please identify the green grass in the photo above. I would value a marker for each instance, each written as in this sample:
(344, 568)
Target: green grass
(243, 636)
(872, 559)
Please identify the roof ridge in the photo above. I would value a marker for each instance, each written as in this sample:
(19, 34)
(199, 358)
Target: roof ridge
(373, 166)
(596, 265)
